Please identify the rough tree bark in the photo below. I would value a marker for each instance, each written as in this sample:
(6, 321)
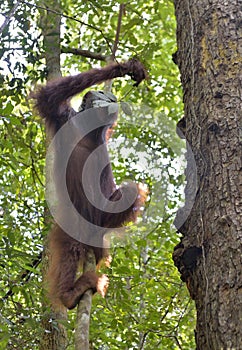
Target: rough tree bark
(209, 56)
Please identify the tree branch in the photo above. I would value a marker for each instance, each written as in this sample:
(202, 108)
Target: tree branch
(73, 18)
(8, 18)
(84, 307)
(84, 53)
(108, 83)
(116, 42)
(25, 275)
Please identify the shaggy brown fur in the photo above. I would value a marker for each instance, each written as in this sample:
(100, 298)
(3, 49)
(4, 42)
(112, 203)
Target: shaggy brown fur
(52, 102)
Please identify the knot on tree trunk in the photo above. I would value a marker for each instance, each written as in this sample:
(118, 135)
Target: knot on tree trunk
(186, 259)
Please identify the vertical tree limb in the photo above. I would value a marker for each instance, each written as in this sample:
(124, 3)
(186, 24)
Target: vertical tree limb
(116, 42)
(54, 332)
(110, 59)
(84, 308)
(8, 18)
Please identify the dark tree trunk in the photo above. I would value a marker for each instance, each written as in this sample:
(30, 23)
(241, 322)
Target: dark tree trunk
(209, 36)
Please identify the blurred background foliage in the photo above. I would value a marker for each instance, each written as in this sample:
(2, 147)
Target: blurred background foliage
(147, 306)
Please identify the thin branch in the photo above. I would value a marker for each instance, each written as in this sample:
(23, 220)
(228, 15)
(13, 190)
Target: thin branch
(11, 14)
(84, 53)
(84, 307)
(116, 42)
(71, 18)
(25, 275)
(108, 83)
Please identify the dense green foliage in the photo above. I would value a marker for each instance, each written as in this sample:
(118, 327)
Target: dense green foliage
(147, 306)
